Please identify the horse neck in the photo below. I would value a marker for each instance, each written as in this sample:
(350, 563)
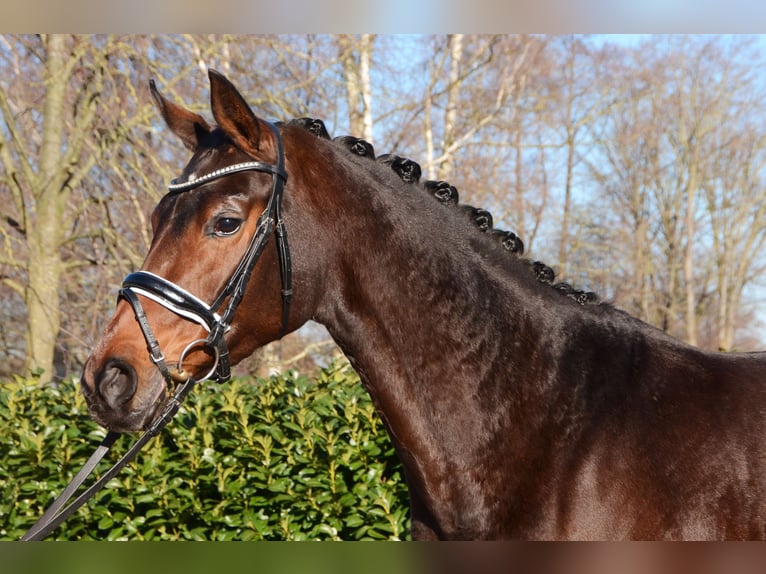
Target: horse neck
(435, 330)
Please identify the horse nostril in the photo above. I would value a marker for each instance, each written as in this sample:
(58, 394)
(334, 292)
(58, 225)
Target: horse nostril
(117, 383)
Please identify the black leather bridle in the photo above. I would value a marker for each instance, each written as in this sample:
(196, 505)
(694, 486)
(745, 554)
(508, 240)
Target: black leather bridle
(217, 316)
(182, 303)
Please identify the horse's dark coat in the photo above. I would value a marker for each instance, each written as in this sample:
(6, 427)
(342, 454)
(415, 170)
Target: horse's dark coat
(516, 412)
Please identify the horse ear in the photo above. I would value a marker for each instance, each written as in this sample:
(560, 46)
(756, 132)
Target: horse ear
(233, 115)
(185, 124)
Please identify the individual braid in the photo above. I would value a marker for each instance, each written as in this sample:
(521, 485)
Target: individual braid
(312, 125)
(357, 146)
(509, 240)
(543, 273)
(481, 218)
(442, 191)
(405, 168)
(582, 297)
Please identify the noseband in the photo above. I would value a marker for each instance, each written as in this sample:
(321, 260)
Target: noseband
(216, 317)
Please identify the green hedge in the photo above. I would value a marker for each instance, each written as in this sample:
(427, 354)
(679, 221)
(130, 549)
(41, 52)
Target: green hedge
(289, 458)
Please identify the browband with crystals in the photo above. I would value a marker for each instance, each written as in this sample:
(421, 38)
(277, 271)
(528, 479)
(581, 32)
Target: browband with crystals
(176, 186)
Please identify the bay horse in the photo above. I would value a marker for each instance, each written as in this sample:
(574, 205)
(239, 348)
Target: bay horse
(517, 413)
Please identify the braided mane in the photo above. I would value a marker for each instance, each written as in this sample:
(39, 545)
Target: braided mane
(445, 193)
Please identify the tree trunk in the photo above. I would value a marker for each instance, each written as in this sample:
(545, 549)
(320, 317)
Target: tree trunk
(689, 282)
(569, 124)
(365, 87)
(45, 234)
(453, 96)
(564, 241)
(692, 152)
(356, 57)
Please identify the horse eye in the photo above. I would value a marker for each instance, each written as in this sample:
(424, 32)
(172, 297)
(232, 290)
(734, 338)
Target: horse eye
(227, 226)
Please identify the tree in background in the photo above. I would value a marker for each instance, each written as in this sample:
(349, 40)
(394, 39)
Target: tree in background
(84, 160)
(54, 134)
(636, 171)
(679, 177)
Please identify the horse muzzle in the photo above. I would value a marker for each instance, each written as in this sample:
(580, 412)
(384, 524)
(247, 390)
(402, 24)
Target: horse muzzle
(116, 399)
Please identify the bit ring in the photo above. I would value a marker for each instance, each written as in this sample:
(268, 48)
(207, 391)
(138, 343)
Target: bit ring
(197, 343)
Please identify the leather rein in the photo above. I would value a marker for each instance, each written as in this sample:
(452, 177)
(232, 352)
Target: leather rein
(215, 318)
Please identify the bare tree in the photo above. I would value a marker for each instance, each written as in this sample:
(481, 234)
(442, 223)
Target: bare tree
(576, 103)
(682, 161)
(356, 59)
(449, 137)
(77, 133)
(669, 221)
(43, 163)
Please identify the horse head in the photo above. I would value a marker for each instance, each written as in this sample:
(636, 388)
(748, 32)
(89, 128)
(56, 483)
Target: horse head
(219, 238)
